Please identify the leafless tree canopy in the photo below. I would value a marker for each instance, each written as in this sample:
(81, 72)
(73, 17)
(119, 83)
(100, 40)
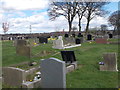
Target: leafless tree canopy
(114, 20)
(66, 9)
(70, 9)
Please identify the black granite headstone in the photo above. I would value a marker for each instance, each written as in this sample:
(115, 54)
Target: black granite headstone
(66, 35)
(77, 41)
(68, 56)
(79, 35)
(89, 37)
(43, 40)
(110, 36)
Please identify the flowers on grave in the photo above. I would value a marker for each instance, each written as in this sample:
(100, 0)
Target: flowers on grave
(31, 80)
(51, 38)
(90, 42)
(101, 63)
(35, 43)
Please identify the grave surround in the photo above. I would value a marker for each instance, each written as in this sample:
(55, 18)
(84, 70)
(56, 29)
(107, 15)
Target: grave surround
(110, 62)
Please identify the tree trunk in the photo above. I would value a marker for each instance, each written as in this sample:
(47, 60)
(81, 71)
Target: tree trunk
(79, 25)
(70, 26)
(87, 27)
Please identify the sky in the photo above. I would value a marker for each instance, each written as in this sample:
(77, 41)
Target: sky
(20, 14)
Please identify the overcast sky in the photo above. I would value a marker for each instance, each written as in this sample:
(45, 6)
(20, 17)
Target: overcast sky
(20, 14)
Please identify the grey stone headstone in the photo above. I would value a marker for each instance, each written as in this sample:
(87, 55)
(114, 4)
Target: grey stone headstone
(110, 60)
(23, 50)
(53, 73)
(20, 43)
(58, 44)
(13, 76)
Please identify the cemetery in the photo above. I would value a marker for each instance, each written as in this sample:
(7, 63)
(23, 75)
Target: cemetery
(92, 64)
(60, 44)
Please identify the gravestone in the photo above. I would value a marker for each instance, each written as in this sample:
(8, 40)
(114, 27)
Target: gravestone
(60, 37)
(68, 56)
(77, 41)
(110, 62)
(66, 35)
(89, 37)
(106, 36)
(23, 51)
(53, 73)
(43, 40)
(79, 35)
(69, 41)
(101, 40)
(58, 44)
(21, 42)
(73, 35)
(110, 36)
(37, 40)
(13, 76)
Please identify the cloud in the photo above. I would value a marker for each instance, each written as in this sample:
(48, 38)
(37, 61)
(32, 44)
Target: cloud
(15, 13)
(24, 4)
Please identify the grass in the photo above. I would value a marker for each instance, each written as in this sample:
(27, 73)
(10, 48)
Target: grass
(88, 55)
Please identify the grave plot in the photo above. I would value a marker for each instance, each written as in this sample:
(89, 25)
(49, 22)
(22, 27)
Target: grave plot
(40, 76)
(109, 63)
(17, 77)
(101, 41)
(66, 43)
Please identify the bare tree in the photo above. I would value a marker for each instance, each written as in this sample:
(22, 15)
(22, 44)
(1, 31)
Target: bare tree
(80, 11)
(103, 27)
(94, 9)
(114, 20)
(66, 9)
(5, 27)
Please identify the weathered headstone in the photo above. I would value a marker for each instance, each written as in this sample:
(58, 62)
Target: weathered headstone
(60, 37)
(68, 56)
(110, 62)
(53, 73)
(23, 50)
(13, 76)
(20, 42)
(58, 44)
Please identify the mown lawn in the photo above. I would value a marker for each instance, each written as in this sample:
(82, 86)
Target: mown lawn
(88, 55)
